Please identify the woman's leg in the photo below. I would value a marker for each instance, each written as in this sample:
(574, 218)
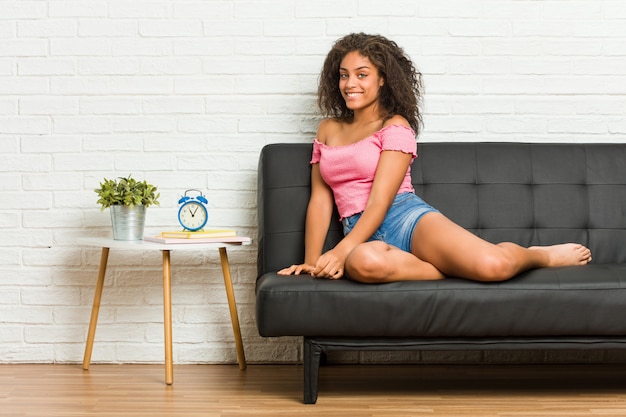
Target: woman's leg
(441, 247)
(377, 261)
(458, 252)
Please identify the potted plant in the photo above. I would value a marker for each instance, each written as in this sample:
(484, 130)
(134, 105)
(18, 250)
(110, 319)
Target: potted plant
(127, 198)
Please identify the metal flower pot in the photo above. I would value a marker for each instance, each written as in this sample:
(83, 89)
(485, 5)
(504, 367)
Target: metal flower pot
(128, 223)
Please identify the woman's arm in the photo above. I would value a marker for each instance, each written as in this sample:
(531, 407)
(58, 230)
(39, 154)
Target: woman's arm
(392, 167)
(318, 216)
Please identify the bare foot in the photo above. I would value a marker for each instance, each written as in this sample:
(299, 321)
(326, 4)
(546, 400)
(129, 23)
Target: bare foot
(566, 254)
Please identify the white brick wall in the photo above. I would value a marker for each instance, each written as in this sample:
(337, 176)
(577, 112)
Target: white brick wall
(185, 94)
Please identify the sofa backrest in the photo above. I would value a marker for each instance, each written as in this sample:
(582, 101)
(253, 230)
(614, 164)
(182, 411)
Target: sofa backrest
(531, 194)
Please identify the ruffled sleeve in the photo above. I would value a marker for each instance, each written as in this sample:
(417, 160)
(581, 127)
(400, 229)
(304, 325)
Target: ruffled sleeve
(315, 158)
(398, 138)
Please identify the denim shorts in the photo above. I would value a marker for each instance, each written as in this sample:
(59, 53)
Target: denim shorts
(399, 224)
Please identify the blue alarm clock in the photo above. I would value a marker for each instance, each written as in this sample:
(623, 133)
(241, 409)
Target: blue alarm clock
(193, 213)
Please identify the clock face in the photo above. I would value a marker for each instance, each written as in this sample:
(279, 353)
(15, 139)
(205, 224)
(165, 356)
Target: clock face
(192, 216)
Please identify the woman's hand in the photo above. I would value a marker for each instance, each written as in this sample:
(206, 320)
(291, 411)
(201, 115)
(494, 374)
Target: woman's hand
(297, 270)
(330, 265)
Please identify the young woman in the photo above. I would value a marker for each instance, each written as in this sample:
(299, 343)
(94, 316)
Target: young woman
(370, 91)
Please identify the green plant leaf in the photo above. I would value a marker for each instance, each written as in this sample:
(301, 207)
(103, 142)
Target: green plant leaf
(126, 191)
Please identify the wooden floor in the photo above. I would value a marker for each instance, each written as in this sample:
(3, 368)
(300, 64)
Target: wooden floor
(345, 391)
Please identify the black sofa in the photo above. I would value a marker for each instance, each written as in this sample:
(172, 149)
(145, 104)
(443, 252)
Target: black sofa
(531, 194)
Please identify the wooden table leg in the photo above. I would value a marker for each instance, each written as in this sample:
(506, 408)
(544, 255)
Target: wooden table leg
(104, 257)
(167, 317)
(232, 305)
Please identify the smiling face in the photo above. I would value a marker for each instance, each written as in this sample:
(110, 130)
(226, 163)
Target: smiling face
(359, 81)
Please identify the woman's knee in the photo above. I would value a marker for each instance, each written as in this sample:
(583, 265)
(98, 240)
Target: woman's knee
(368, 263)
(497, 266)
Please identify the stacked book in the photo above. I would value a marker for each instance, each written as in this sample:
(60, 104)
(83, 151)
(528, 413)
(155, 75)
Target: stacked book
(200, 236)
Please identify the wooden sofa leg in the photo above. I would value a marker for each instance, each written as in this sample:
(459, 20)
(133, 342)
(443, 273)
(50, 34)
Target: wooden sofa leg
(312, 354)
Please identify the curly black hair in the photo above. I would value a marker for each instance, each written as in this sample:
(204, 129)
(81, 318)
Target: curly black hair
(400, 95)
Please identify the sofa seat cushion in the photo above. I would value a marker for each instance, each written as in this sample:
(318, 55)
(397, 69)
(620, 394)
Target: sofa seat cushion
(568, 301)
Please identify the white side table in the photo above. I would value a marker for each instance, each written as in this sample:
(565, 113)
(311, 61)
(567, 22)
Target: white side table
(108, 243)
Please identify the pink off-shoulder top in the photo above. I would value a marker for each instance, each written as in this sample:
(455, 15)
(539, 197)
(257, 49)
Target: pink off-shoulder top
(349, 170)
